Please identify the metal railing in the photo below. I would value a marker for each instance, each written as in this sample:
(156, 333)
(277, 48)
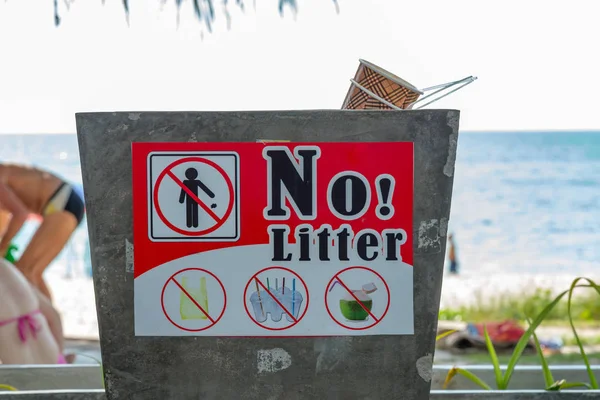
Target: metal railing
(525, 377)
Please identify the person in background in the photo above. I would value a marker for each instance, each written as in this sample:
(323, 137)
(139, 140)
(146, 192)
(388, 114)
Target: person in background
(27, 190)
(30, 328)
(452, 255)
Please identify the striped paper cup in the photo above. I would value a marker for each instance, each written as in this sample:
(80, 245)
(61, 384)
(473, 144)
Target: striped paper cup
(375, 88)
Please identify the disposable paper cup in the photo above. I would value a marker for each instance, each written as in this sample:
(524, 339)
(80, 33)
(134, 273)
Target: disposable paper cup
(375, 88)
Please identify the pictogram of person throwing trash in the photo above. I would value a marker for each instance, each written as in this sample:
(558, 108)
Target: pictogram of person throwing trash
(191, 205)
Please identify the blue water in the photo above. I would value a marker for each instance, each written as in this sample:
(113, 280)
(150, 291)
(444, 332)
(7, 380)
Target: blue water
(522, 202)
(527, 202)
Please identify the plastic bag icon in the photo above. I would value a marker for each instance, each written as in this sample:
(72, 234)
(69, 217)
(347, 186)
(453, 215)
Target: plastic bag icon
(187, 308)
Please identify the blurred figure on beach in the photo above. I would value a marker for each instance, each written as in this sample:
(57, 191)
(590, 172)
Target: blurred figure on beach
(30, 328)
(27, 190)
(452, 255)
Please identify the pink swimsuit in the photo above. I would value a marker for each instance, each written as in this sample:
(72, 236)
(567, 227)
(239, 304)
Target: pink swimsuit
(24, 323)
(27, 323)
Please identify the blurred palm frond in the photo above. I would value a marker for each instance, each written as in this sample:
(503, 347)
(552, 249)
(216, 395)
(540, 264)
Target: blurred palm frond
(203, 9)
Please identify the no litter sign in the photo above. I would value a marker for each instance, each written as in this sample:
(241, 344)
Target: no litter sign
(194, 196)
(273, 239)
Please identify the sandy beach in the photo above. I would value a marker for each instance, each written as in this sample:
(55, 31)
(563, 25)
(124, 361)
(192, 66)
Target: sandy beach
(74, 298)
(465, 290)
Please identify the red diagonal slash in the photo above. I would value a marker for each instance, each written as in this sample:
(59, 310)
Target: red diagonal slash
(193, 300)
(277, 301)
(194, 197)
(355, 298)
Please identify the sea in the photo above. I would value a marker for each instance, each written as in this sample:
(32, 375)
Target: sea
(523, 202)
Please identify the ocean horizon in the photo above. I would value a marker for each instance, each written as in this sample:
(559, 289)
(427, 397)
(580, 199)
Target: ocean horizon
(524, 202)
(461, 131)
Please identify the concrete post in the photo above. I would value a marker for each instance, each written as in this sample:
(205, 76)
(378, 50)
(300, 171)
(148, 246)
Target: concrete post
(360, 367)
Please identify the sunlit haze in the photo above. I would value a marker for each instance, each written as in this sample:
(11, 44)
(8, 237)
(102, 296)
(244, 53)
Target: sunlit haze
(535, 60)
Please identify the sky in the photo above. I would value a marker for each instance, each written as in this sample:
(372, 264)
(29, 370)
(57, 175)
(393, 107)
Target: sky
(536, 61)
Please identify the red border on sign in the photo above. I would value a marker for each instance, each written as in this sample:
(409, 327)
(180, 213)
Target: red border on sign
(255, 277)
(354, 328)
(214, 321)
(167, 171)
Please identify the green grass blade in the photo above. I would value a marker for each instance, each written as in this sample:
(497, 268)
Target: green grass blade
(473, 378)
(88, 356)
(570, 385)
(451, 374)
(555, 387)
(584, 356)
(522, 343)
(467, 374)
(563, 384)
(449, 377)
(494, 358)
(99, 363)
(443, 335)
(546, 370)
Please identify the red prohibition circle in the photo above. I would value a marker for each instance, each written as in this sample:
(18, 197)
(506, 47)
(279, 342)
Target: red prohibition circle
(285, 327)
(162, 299)
(209, 163)
(354, 328)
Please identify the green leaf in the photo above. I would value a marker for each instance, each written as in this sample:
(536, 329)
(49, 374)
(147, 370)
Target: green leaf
(8, 387)
(443, 335)
(591, 375)
(467, 374)
(494, 358)
(99, 363)
(569, 385)
(451, 374)
(522, 343)
(547, 373)
(88, 356)
(554, 387)
(563, 384)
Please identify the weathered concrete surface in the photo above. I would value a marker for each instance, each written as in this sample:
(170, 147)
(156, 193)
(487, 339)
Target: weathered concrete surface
(377, 367)
(63, 377)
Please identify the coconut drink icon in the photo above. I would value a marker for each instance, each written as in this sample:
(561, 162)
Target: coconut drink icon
(353, 310)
